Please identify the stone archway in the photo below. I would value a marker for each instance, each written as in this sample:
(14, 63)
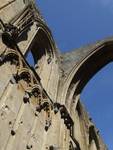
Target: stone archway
(85, 69)
(41, 48)
(87, 66)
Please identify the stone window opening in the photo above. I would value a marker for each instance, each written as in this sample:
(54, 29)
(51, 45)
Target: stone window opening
(40, 51)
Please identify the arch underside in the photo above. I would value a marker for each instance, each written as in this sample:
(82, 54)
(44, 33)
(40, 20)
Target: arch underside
(89, 66)
(76, 80)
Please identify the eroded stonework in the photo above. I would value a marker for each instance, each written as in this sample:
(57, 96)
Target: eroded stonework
(40, 107)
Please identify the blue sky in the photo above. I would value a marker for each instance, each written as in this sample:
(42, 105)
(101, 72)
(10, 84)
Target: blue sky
(75, 23)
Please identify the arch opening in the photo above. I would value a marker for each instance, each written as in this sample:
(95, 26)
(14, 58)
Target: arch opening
(40, 50)
(92, 65)
(97, 97)
(88, 68)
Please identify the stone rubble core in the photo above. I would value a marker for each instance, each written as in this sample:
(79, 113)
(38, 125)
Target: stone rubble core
(40, 107)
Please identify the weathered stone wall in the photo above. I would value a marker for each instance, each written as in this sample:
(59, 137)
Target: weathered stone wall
(39, 106)
(10, 8)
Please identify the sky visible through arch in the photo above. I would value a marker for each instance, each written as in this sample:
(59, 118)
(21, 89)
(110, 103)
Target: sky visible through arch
(75, 23)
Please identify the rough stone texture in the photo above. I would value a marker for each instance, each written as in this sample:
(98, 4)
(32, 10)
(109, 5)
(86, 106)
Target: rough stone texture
(40, 107)
(75, 56)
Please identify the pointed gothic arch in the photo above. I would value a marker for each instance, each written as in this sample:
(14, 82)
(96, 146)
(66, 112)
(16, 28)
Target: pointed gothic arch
(40, 48)
(87, 66)
(85, 69)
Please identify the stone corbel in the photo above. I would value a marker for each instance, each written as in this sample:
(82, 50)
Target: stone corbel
(11, 56)
(64, 115)
(24, 74)
(67, 119)
(36, 92)
(26, 97)
(47, 109)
